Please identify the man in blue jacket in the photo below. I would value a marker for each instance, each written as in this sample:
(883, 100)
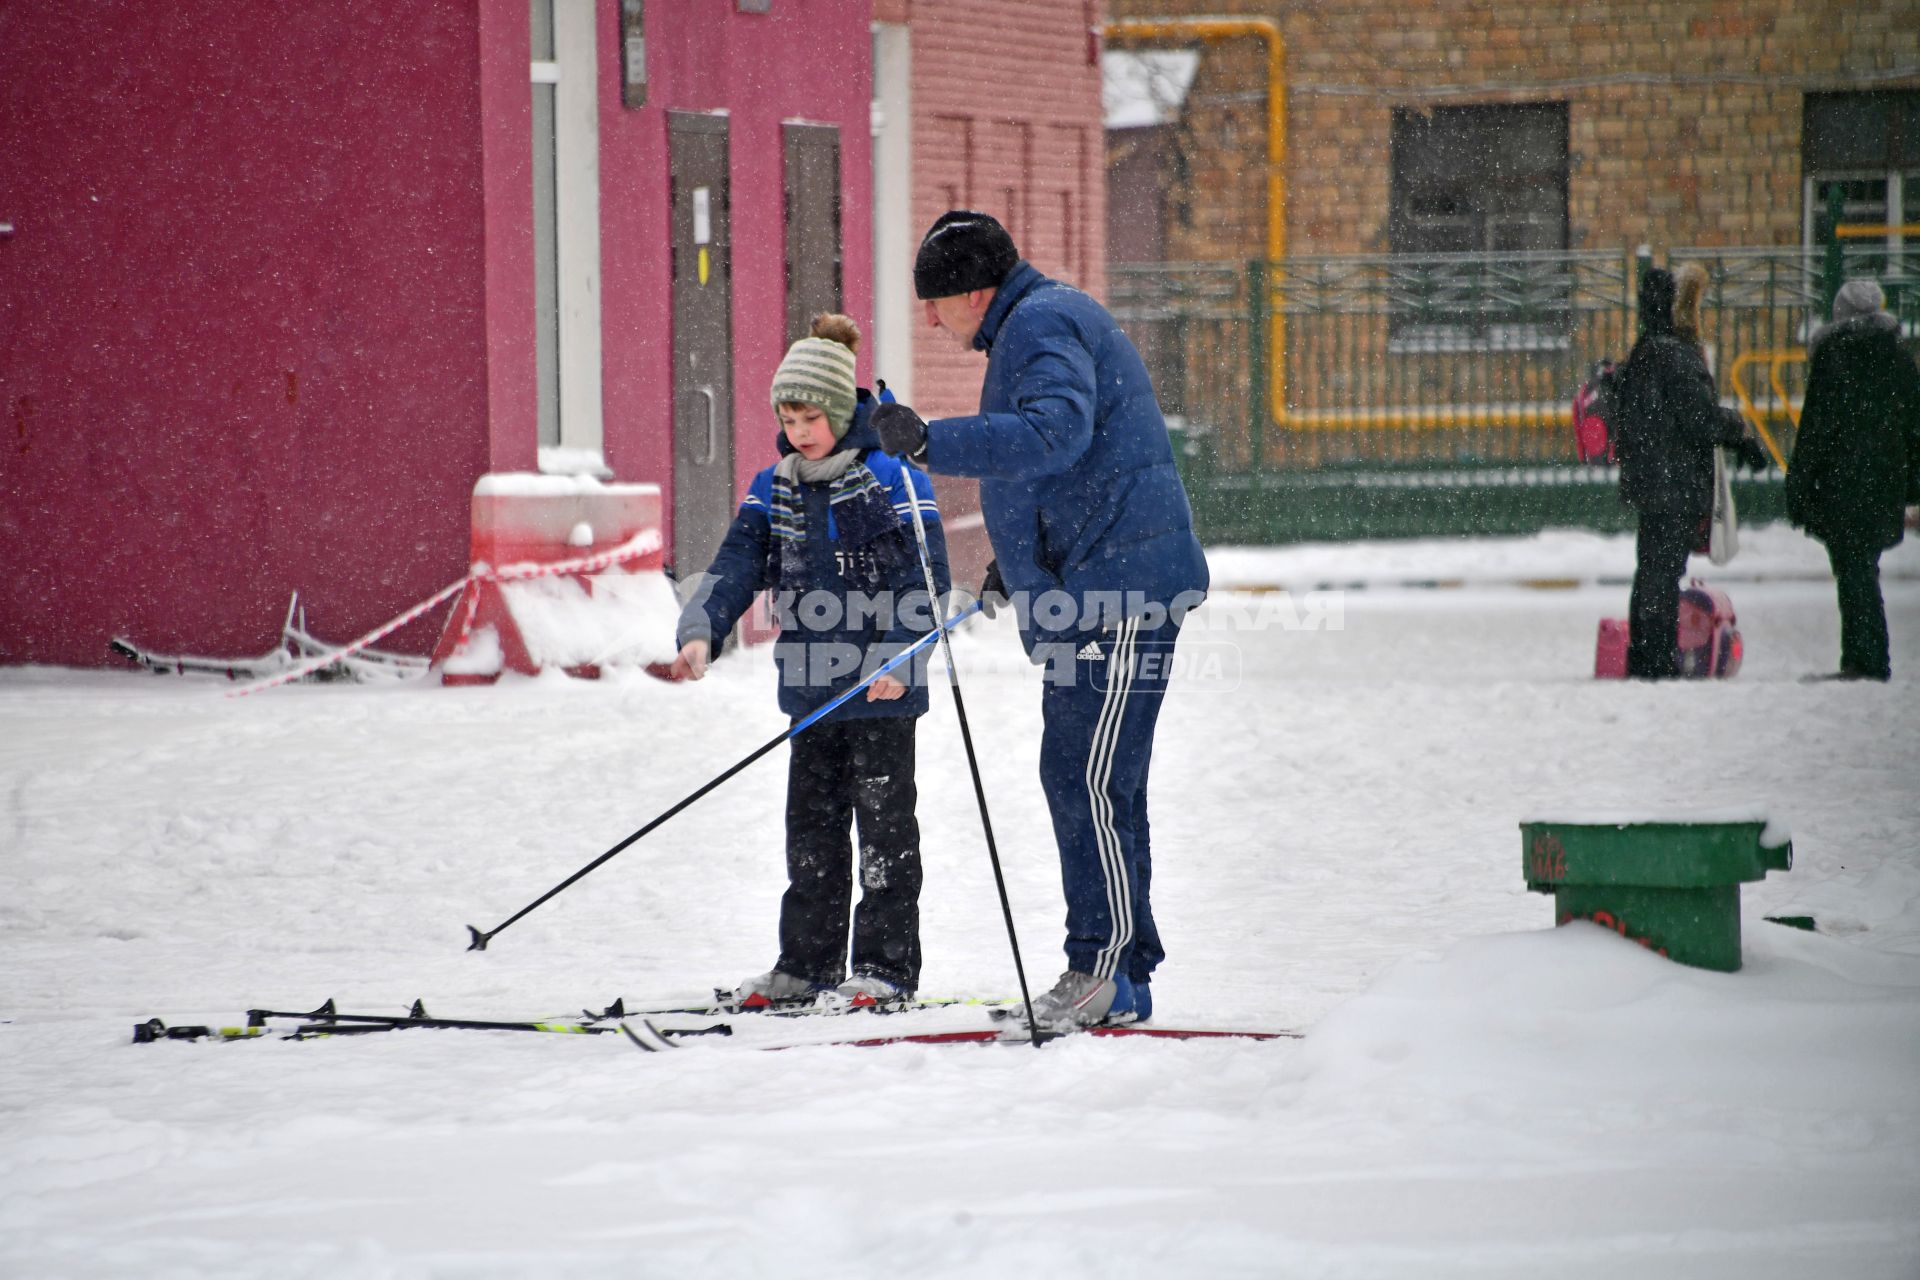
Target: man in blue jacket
(1093, 544)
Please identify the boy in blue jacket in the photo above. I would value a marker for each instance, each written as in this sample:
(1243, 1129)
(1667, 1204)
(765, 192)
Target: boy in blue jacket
(829, 529)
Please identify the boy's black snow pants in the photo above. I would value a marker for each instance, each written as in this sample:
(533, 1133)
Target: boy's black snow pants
(840, 769)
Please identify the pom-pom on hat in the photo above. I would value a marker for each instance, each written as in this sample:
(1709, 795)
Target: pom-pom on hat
(964, 250)
(818, 371)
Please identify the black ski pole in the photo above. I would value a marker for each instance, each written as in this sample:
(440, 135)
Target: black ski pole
(973, 765)
(480, 939)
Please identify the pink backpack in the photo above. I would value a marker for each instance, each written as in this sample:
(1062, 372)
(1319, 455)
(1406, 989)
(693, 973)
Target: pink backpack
(1707, 638)
(1709, 642)
(1594, 406)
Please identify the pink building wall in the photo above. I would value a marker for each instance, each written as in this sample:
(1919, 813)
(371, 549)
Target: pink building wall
(802, 60)
(267, 313)
(242, 310)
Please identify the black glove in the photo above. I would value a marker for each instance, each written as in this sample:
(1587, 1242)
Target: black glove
(901, 432)
(993, 591)
(1752, 455)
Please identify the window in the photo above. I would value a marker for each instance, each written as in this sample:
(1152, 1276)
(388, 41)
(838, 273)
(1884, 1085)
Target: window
(1481, 180)
(566, 235)
(1866, 147)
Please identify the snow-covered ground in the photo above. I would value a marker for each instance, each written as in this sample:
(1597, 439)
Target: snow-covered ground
(1479, 1094)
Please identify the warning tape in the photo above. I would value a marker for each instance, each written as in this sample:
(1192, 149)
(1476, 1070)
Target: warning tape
(641, 544)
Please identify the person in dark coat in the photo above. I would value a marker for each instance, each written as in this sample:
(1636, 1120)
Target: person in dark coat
(829, 529)
(1856, 462)
(1671, 422)
(1093, 544)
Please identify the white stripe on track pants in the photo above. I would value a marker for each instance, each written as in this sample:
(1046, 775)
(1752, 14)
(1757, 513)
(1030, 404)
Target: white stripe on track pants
(1095, 748)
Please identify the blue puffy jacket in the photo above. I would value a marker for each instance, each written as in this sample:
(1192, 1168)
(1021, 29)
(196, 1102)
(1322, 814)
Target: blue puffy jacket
(808, 654)
(1077, 481)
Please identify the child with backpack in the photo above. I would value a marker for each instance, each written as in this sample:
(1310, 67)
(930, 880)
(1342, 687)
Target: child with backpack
(1670, 421)
(829, 529)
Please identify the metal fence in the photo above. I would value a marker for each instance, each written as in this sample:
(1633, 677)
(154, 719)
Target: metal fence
(1395, 394)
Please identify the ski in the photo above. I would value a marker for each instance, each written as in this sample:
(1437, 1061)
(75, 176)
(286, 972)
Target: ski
(154, 1029)
(648, 1038)
(1020, 1035)
(645, 1034)
(417, 1016)
(724, 1005)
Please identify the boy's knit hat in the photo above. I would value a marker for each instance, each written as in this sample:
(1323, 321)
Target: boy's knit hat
(818, 371)
(964, 250)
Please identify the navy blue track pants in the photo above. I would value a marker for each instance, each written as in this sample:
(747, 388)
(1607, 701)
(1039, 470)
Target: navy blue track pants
(1095, 747)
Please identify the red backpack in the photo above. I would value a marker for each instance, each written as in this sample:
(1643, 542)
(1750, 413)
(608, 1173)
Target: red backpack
(1595, 406)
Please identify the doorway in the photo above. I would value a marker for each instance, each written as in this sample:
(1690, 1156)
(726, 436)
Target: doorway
(703, 484)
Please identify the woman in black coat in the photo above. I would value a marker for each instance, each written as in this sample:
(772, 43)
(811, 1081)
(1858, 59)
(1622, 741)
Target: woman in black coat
(1671, 421)
(1856, 462)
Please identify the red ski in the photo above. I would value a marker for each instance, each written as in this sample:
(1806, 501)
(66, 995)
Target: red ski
(988, 1035)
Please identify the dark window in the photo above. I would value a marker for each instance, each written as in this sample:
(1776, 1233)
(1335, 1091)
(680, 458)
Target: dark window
(1866, 147)
(1489, 181)
(1481, 179)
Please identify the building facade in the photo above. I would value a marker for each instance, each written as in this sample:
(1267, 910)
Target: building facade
(1495, 125)
(276, 296)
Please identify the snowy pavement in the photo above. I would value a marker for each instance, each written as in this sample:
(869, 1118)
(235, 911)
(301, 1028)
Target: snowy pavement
(1335, 796)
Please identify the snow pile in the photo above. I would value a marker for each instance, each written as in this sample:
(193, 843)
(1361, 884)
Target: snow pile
(623, 619)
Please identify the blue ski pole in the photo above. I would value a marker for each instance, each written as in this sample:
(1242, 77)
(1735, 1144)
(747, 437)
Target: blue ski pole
(480, 939)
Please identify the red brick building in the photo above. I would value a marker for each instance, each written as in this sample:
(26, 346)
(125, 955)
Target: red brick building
(1493, 125)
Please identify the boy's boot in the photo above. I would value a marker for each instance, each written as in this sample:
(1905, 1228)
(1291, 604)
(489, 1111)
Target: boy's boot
(775, 988)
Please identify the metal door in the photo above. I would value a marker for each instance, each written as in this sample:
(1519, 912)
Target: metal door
(813, 224)
(703, 482)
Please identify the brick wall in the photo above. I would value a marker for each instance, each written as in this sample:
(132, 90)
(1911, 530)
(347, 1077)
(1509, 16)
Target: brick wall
(1006, 118)
(1702, 148)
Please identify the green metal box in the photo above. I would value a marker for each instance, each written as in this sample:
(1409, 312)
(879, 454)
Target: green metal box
(1671, 886)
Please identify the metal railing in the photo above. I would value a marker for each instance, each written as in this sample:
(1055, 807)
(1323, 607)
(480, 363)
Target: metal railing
(1418, 370)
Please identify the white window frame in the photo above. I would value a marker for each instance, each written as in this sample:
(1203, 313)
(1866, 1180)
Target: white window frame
(574, 73)
(895, 309)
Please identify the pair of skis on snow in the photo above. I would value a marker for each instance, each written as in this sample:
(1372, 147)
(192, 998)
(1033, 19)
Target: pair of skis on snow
(639, 1027)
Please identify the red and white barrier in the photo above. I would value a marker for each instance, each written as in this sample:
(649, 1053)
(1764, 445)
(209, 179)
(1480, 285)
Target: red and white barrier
(555, 605)
(645, 544)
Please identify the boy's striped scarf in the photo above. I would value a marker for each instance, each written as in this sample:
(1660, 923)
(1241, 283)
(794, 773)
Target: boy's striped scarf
(864, 521)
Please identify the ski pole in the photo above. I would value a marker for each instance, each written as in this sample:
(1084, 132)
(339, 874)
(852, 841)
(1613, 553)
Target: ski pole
(973, 765)
(480, 939)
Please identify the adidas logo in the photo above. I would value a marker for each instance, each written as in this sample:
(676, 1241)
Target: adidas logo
(1090, 650)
